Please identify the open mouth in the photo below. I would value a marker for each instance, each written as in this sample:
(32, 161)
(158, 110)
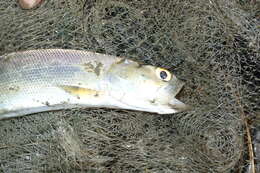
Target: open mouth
(180, 94)
(176, 104)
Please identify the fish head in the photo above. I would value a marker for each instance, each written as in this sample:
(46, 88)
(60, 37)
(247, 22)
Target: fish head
(145, 87)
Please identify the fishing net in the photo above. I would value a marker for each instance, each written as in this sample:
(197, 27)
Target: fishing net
(212, 45)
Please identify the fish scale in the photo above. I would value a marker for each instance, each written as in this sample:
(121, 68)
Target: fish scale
(52, 79)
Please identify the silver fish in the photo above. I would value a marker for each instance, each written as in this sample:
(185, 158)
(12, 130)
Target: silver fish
(53, 79)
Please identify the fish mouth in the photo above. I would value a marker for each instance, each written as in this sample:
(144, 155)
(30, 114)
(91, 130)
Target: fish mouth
(180, 93)
(175, 103)
(178, 88)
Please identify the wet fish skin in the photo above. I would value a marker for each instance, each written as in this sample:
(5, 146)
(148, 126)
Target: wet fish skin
(53, 79)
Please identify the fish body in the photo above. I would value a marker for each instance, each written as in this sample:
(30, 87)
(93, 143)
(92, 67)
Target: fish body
(53, 79)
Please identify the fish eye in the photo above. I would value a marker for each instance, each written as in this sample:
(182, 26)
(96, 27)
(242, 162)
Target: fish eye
(163, 74)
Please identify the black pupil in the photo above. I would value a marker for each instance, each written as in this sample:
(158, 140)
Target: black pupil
(163, 74)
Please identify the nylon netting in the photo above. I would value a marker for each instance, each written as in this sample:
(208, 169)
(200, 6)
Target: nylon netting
(212, 45)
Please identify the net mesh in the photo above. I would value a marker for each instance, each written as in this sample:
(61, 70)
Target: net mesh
(212, 45)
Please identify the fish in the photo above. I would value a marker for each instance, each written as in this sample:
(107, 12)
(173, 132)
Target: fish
(43, 80)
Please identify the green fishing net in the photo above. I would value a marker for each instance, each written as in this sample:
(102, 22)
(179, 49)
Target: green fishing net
(212, 45)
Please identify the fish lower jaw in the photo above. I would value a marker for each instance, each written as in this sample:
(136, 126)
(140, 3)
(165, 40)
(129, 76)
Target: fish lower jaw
(164, 110)
(145, 107)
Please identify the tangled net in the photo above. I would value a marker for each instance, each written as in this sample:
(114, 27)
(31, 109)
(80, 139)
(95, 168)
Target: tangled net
(213, 45)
